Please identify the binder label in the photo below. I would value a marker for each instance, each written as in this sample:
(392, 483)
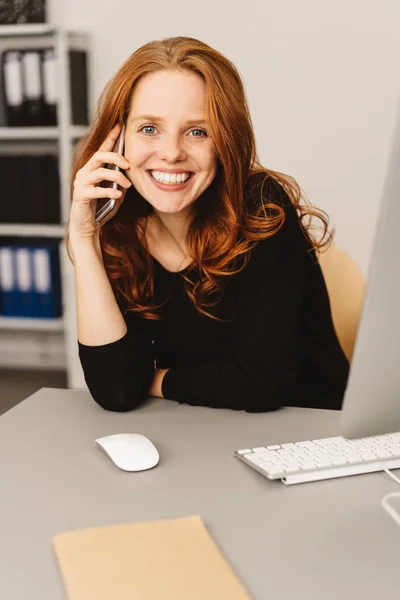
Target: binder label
(50, 77)
(24, 271)
(42, 271)
(13, 79)
(6, 269)
(31, 70)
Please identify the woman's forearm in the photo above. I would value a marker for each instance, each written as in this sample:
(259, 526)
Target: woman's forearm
(99, 318)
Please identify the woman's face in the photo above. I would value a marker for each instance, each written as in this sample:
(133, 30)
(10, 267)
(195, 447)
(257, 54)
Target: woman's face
(172, 159)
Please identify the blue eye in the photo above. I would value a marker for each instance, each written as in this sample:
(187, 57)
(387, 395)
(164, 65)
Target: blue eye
(201, 131)
(147, 127)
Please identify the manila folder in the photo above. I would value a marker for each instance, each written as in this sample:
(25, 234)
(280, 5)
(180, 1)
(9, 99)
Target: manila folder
(163, 560)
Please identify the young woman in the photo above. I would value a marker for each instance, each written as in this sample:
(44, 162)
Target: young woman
(204, 287)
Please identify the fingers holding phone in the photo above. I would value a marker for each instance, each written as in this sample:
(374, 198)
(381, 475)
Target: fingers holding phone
(107, 206)
(100, 186)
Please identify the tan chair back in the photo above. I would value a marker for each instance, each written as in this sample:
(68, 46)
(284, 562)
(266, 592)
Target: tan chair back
(346, 286)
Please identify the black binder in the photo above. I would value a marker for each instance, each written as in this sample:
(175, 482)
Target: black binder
(79, 84)
(30, 189)
(12, 188)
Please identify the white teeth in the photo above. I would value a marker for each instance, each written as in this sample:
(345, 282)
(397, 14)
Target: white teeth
(170, 178)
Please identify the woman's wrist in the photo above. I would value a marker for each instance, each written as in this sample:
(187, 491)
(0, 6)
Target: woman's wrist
(82, 245)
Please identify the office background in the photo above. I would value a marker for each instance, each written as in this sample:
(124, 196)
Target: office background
(322, 83)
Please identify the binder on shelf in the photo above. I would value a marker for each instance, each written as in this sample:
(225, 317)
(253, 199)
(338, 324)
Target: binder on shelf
(51, 189)
(30, 283)
(11, 186)
(32, 199)
(32, 88)
(79, 84)
(8, 290)
(13, 88)
(50, 88)
(2, 98)
(46, 282)
(24, 282)
(30, 189)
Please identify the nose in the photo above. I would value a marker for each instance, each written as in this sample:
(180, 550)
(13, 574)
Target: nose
(171, 149)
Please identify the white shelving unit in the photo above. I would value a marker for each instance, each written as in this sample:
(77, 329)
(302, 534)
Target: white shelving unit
(40, 133)
(46, 343)
(28, 230)
(23, 324)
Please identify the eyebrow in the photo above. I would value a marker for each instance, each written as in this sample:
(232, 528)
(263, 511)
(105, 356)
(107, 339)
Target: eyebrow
(160, 119)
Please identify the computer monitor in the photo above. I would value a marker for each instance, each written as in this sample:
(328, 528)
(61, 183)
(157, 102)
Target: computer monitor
(372, 398)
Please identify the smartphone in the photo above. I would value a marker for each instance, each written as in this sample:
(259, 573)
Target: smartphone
(107, 207)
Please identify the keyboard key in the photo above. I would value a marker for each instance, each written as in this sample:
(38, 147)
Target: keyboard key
(369, 456)
(245, 451)
(303, 454)
(324, 463)
(384, 454)
(327, 441)
(395, 449)
(292, 469)
(354, 458)
(308, 464)
(273, 447)
(259, 449)
(284, 453)
(265, 454)
(275, 471)
(256, 460)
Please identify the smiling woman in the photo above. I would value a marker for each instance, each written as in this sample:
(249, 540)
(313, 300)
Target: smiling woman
(204, 287)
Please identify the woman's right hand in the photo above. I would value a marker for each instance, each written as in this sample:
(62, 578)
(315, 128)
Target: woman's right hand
(82, 226)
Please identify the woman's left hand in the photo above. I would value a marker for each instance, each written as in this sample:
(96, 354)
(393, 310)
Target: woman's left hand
(156, 385)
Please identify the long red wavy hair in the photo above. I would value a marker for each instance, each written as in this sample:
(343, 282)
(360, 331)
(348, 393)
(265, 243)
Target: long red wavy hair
(222, 232)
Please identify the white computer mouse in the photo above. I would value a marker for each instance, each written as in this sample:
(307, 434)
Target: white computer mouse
(130, 451)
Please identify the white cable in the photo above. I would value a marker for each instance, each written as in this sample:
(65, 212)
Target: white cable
(396, 479)
(385, 500)
(389, 509)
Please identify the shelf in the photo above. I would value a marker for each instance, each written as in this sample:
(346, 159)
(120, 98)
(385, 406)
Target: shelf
(50, 342)
(32, 230)
(31, 324)
(40, 133)
(21, 29)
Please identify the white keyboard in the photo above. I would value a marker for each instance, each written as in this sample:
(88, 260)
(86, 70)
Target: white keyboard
(324, 459)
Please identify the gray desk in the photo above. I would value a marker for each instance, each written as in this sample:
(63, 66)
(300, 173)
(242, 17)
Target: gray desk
(328, 540)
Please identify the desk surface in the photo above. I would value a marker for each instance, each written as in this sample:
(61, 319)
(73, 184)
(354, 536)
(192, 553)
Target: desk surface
(327, 539)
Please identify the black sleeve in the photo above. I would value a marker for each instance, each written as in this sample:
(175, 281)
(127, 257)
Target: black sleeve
(263, 372)
(119, 374)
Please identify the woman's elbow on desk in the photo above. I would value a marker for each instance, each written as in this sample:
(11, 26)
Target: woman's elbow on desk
(118, 400)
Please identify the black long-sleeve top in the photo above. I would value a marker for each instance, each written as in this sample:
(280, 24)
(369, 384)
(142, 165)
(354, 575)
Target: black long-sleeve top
(275, 346)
